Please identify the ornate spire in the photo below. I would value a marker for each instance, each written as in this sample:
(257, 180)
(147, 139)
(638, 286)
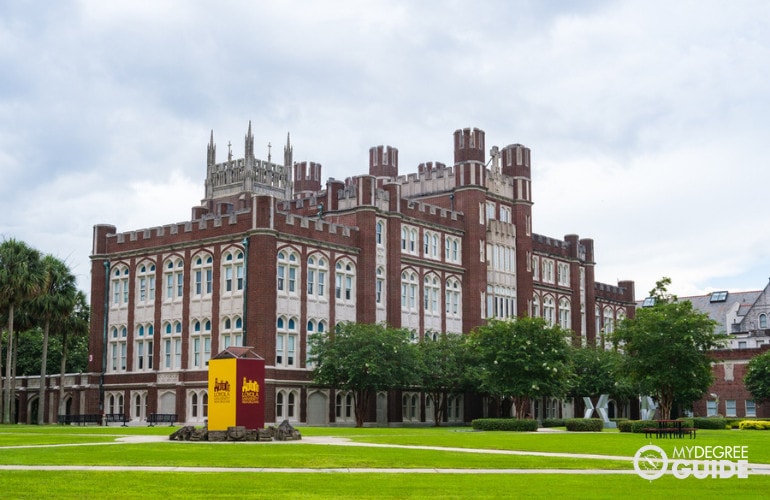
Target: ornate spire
(249, 148)
(288, 151)
(211, 153)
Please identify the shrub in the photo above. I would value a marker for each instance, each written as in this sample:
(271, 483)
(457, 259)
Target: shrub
(709, 423)
(758, 425)
(553, 422)
(505, 424)
(584, 424)
(636, 426)
(687, 422)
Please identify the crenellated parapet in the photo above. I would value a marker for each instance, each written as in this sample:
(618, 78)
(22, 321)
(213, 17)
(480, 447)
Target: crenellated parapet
(623, 293)
(307, 178)
(209, 227)
(430, 178)
(383, 161)
(571, 247)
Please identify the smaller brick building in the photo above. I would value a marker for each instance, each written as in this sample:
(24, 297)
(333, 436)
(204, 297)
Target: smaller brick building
(743, 318)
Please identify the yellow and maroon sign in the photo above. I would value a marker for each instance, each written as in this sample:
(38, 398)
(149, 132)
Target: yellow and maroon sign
(236, 386)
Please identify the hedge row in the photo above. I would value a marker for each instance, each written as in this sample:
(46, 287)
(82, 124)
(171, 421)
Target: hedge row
(584, 424)
(505, 424)
(553, 422)
(636, 426)
(759, 425)
(709, 422)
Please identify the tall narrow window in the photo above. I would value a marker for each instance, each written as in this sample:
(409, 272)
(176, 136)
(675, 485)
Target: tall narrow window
(232, 274)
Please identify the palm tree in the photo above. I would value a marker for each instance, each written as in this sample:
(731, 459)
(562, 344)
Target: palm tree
(21, 278)
(53, 305)
(77, 323)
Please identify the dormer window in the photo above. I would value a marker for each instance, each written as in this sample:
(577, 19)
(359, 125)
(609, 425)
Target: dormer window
(718, 296)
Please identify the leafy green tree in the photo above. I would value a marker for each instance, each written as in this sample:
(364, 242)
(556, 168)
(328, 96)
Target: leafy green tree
(757, 377)
(522, 358)
(598, 371)
(442, 369)
(364, 359)
(51, 307)
(667, 349)
(595, 371)
(74, 336)
(21, 278)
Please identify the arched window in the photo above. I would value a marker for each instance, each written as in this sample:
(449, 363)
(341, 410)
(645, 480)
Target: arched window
(174, 276)
(565, 314)
(344, 280)
(431, 293)
(288, 271)
(609, 320)
(232, 276)
(119, 285)
(200, 343)
(763, 320)
(231, 333)
(286, 342)
(453, 298)
(549, 310)
(409, 287)
(379, 230)
(202, 275)
(145, 283)
(317, 269)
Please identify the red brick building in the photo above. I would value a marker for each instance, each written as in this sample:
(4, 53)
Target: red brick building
(744, 318)
(271, 255)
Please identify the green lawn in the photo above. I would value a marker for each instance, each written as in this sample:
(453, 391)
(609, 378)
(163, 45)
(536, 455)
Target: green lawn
(93, 448)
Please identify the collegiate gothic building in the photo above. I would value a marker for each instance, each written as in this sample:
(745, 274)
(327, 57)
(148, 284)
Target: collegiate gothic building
(272, 255)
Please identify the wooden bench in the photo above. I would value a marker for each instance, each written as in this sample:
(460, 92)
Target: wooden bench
(79, 419)
(161, 418)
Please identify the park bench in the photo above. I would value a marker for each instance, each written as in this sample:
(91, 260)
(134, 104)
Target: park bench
(670, 429)
(161, 418)
(115, 417)
(80, 419)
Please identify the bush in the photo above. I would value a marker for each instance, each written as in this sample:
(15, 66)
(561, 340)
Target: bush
(636, 426)
(687, 422)
(758, 425)
(553, 422)
(709, 423)
(505, 424)
(584, 424)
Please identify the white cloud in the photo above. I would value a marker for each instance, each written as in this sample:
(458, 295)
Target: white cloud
(646, 120)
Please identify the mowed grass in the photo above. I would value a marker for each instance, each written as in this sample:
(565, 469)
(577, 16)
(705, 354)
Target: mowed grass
(92, 448)
(177, 485)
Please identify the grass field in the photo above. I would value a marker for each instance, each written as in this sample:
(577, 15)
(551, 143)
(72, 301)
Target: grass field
(433, 463)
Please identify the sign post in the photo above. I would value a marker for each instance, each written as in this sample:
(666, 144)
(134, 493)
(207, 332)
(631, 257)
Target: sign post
(236, 389)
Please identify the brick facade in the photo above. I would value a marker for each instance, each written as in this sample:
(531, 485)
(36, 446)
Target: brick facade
(437, 250)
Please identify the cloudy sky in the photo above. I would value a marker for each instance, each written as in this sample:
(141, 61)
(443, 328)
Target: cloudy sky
(649, 121)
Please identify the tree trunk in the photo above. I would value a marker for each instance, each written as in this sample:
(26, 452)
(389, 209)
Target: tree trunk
(62, 407)
(15, 361)
(361, 403)
(666, 402)
(439, 400)
(520, 403)
(8, 358)
(43, 378)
